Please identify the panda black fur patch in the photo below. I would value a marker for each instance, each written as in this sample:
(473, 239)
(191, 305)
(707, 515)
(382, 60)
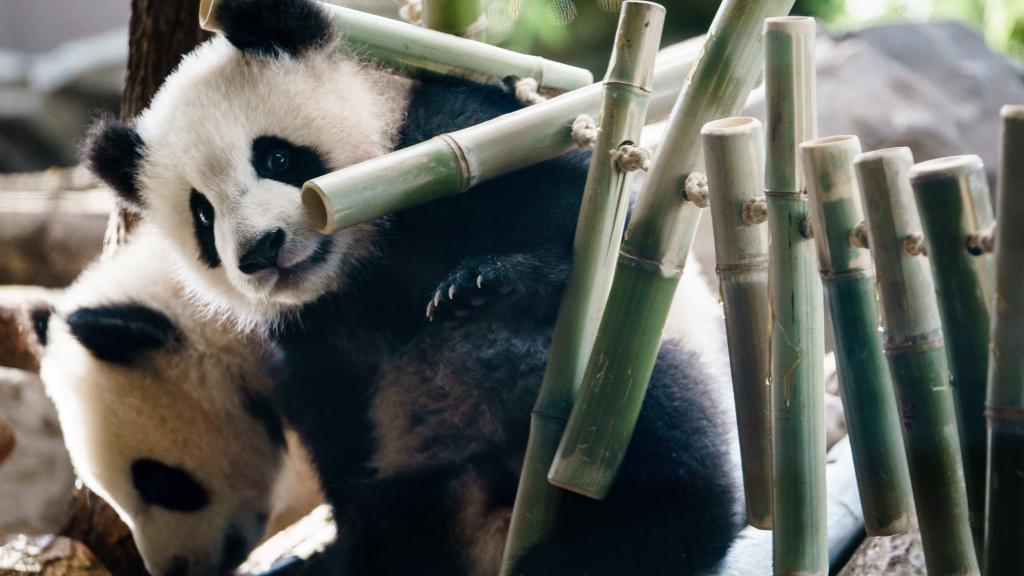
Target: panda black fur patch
(113, 151)
(277, 159)
(169, 487)
(259, 406)
(270, 28)
(119, 333)
(40, 318)
(202, 224)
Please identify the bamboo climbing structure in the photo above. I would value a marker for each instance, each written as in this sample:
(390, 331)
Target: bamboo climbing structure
(917, 361)
(953, 201)
(1004, 554)
(848, 278)
(799, 545)
(734, 158)
(627, 88)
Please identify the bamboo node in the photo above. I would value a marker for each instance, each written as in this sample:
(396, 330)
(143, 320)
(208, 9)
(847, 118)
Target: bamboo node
(584, 131)
(527, 91)
(628, 158)
(411, 11)
(914, 245)
(979, 243)
(755, 211)
(805, 228)
(859, 236)
(695, 189)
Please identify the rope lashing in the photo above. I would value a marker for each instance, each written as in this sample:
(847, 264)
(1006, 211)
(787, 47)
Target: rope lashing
(755, 211)
(914, 245)
(859, 236)
(411, 11)
(979, 243)
(806, 228)
(695, 189)
(584, 131)
(527, 91)
(628, 157)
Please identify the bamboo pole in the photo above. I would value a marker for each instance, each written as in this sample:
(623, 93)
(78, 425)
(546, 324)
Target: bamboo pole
(917, 362)
(953, 201)
(653, 253)
(627, 88)
(459, 17)
(450, 163)
(1004, 555)
(800, 543)
(416, 51)
(848, 277)
(734, 154)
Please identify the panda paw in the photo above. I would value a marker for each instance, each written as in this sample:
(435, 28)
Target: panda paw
(470, 288)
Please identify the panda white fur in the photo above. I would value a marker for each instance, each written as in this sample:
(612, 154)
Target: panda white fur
(417, 428)
(167, 416)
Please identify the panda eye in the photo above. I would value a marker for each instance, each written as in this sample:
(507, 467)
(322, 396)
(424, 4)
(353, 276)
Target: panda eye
(204, 215)
(277, 160)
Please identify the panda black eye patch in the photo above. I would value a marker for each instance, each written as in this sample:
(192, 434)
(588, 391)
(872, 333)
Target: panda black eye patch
(277, 159)
(202, 224)
(168, 487)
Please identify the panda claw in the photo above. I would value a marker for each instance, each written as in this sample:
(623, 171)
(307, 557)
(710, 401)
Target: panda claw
(437, 299)
(451, 292)
(430, 310)
(480, 281)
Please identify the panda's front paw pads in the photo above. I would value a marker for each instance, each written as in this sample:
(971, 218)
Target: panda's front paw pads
(467, 291)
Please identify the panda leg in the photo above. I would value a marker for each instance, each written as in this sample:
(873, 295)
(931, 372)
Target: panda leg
(673, 509)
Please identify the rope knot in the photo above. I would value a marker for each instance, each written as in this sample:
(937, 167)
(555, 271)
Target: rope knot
(584, 131)
(695, 189)
(755, 211)
(527, 91)
(914, 245)
(411, 11)
(628, 158)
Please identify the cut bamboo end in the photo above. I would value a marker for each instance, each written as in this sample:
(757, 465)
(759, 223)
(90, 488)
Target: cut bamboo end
(731, 126)
(835, 202)
(1012, 112)
(636, 18)
(947, 167)
(318, 205)
(207, 19)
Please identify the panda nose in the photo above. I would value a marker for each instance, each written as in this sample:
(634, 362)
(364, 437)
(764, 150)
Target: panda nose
(262, 254)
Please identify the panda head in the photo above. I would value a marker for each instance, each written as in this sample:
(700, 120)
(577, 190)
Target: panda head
(218, 159)
(166, 416)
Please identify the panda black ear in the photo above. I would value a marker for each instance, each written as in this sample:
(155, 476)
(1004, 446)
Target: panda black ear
(113, 151)
(120, 333)
(269, 28)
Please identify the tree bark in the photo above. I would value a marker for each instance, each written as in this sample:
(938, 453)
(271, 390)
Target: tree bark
(160, 32)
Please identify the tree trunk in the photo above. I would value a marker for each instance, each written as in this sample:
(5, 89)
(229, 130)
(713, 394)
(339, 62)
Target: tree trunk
(160, 32)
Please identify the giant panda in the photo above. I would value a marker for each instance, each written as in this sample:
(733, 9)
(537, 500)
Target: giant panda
(167, 416)
(417, 427)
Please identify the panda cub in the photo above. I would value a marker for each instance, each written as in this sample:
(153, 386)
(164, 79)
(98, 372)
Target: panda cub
(416, 427)
(167, 416)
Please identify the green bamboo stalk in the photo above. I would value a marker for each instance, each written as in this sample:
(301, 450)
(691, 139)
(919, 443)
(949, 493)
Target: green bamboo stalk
(734, 154)
(800, 544)
(848, 276)
(653, 253)
(1004, 555)
(459, 17)
(451, 163)
(917, 362)
(627, 88)
(953, 201)
(418, 52)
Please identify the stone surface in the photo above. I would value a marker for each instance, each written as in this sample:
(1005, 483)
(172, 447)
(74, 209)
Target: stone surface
(899, 555)
(47, 556)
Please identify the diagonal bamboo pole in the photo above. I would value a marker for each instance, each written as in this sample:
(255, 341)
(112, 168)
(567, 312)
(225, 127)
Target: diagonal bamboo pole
(451, 163)
(800, 543)
(917, 362)
(1004, 555)
(953, 201)
(416, 51)
(734, 154)
(848, 276)
(653, 253)
(627, 88)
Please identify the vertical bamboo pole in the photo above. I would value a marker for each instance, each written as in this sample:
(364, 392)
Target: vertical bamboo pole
(653, 253)
(734, 154)
(1004, 554)
(917, 362)
(848, 276)
(800, 544)
(459, 17)
(953, 201)
(627, 89)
